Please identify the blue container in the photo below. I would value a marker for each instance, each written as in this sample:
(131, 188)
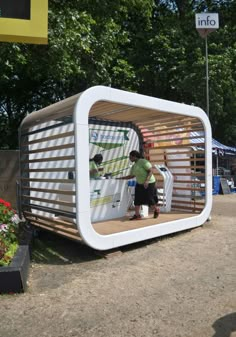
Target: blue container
(131, 182)
(216, 184)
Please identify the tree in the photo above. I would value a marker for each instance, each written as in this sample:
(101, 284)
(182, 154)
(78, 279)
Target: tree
(145, 46)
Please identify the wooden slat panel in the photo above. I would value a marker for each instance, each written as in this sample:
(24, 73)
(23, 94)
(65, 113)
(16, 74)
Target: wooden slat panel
(102, 108)
(49, 201)
(169, 119)
(52, 148)
(171, 140)
(182, 196)
(199, 202)
(47, 117)
(167, 133)
(46, 159)
(53, 220)
(171, 128)
(193, 209)
(45, 190)
(46, 139)
(113, 110)
(165, 119)
(171, 146)
(68, 181)
(59, 231)
(160, 152)
(157, 126)
(188, 181)
(54, 169)
(190, 202)
(189, 188)
(122, 112)
(195, 174)
(135, 114)
(190, 151)
(187, 198)
(178, 160)
(46, 209)
(192, 167)
(155, 129)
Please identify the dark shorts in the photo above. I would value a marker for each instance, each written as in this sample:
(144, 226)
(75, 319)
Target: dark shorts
(145, 196)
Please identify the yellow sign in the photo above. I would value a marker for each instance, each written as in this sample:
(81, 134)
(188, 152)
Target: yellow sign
(24, 21)
(101, 201)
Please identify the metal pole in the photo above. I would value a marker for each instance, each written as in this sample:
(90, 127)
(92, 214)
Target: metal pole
(207, 79)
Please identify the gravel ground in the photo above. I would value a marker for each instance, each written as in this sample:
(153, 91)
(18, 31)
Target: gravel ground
(178, 286)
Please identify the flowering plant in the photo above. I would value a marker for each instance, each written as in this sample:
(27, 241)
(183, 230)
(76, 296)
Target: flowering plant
(9, 221)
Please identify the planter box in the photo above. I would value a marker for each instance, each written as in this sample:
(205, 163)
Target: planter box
(13, 278)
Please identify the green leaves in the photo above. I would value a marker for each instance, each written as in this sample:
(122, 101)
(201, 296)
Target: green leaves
(150, 47)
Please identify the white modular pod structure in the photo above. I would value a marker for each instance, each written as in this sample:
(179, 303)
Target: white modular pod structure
(56, 143)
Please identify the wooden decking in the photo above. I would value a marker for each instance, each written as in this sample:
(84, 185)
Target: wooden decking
(124, 224)
(69, 230)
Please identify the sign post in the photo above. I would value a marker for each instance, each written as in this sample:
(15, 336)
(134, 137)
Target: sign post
(205, 24)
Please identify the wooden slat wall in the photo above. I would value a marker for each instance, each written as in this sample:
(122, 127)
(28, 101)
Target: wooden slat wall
(47, 156)
(170, 142)
(57, 226)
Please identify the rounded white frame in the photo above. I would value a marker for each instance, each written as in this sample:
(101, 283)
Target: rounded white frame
(83, 219)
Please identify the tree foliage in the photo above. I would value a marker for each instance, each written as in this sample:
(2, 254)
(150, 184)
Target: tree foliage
(145, 46)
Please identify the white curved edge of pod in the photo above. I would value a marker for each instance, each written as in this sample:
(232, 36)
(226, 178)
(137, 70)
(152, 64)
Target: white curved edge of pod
(83, 216)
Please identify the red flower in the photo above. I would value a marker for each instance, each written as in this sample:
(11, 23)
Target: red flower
(5, 203)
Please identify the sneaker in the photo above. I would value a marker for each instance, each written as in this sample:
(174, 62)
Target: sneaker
(136, 217)
(156, 213)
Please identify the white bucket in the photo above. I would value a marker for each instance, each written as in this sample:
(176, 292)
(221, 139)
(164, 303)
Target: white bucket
(144, 211)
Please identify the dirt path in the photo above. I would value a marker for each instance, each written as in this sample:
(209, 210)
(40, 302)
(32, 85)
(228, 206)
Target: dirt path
(181, 286)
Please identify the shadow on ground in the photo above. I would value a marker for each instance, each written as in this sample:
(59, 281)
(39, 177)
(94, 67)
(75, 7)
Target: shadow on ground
(48, 248)
(225, 326)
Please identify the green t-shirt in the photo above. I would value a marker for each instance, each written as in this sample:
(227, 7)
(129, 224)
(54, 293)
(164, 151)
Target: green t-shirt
(93, 166)
(139, 170)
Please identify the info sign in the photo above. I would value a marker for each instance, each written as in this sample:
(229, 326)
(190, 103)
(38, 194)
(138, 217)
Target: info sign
(206, 23)
(24, 21)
